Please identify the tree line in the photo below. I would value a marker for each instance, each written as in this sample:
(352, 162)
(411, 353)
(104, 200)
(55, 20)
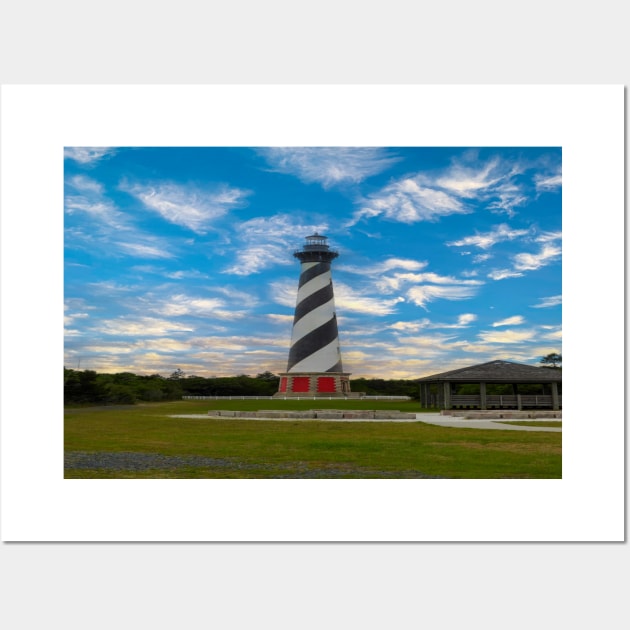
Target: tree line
(82, 387)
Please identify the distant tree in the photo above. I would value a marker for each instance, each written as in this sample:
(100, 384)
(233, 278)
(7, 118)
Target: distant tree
(176, 375)
(267, 376)
(553, 360)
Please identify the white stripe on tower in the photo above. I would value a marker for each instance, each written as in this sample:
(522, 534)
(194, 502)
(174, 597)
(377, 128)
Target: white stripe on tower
(312, 320)
(328, 355)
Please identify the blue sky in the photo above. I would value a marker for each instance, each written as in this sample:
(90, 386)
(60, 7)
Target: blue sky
(181, 257)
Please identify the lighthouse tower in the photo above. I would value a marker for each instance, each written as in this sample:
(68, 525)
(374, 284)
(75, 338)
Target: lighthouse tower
(314, 367)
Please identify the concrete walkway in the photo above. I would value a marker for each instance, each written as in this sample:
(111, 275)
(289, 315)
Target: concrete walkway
(429, 418)
(469, 423)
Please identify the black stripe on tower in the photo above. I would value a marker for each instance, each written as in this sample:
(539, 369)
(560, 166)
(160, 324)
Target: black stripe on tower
(325, 294)
(312, 342)
(313, 272)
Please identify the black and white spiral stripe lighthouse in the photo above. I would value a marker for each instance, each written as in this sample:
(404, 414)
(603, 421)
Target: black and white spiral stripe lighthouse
(314, 367)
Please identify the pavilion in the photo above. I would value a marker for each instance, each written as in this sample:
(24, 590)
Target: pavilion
(493, 385)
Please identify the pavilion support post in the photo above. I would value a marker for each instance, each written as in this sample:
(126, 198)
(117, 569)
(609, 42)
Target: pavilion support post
(555, 404)
(447, 395)
(482, 396)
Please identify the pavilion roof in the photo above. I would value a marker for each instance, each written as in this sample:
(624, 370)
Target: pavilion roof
(498, 372)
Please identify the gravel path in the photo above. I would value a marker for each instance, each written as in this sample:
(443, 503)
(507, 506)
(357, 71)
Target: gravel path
(137, 462)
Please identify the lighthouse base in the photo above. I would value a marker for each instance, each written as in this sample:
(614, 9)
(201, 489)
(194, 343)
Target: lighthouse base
(314, 384)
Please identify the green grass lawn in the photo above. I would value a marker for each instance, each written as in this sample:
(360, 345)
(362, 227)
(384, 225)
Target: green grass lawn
(235, 448)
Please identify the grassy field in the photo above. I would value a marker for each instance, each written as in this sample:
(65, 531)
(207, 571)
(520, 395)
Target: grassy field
(142, 441)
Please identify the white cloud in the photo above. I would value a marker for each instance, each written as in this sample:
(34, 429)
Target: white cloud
(466, 318)
(85, 184)
(414, 326)
(421, 295)
(553, 335)
(502, 274)
(506, 336)
(386, 265)
(266, 242)
(185, 305)
(186, 274)
(141, 327)
(99, 209)
(493, 182)
(528, 262)
(548, 181)
(255, 258)
(547, 302)
(407, 201)
(284, 292)
(140, 250)
(387, 284)
(349, 299)
(510, 321)
(280, 319)
(427, 196)
(87, 155)
(463, 321)
(329, 166)
(180, 305)
(479, 258)
(549, 237)
(110, 230)
(186, 206)
(486, 240)
(469, 181)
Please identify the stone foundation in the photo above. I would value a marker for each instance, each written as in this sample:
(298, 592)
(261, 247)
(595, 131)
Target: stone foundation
(314, 414)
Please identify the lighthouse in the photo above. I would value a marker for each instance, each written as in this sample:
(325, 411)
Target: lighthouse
(314, 367)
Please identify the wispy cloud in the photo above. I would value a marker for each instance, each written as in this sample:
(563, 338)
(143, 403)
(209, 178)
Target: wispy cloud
(385, 265)
(408, 201)
(486, 240)
(547, 302)
(468, 177)
(522, 262)
(187, 206)
(108, 228)
(88, 155)
(141, 327)
(144, 250)
(463, 321)
(395, 282)
(353, 300)
(86, 184)
(503, 274)
(494, 182)
(421, 295)
(509, 321)
(264, 242)
(507, 336)
(427, 196)
(181, 304)
(347, 298)
(529, 261)
(329, 166)
(466, 318)
(548, 182)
